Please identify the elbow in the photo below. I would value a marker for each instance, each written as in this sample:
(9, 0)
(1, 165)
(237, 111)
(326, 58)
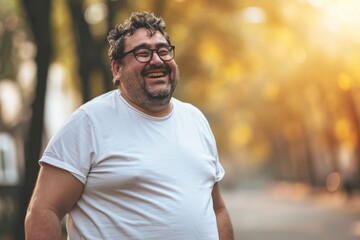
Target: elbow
(40, 222)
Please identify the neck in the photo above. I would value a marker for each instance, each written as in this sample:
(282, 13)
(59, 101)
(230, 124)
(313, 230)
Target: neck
(155, 110)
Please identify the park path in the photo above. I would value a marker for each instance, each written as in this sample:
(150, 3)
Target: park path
(292, 212)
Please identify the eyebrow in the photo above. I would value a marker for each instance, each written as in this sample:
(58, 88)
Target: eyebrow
(147, 46)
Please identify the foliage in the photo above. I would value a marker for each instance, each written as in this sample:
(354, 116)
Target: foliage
(277, 80)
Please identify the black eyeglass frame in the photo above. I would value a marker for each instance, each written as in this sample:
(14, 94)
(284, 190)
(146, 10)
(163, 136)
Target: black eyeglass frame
(170, 48)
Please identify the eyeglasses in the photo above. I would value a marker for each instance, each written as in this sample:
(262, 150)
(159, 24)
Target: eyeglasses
(144, 55)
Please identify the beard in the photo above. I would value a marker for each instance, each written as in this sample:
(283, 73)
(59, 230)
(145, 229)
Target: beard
(149, 96)
(160, 97)
(163, 95)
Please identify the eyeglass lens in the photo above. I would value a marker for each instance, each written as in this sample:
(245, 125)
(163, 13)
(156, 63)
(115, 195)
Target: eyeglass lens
(145, 54)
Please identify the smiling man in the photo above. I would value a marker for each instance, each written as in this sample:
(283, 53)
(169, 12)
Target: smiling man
(148, 81)
(134, 163)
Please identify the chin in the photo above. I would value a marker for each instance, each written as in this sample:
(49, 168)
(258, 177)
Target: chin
(160, 92)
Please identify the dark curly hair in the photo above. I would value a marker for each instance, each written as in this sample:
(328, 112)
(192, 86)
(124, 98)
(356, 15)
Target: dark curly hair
(137, 20)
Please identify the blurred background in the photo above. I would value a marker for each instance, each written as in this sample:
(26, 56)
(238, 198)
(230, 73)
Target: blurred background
(278, 80)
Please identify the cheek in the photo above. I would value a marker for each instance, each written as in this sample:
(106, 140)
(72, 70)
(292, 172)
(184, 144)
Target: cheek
(132, 81)
(174, 71)
(131, 74)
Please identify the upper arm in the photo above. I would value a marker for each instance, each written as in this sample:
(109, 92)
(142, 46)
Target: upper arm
(218, 202)
(56, 190)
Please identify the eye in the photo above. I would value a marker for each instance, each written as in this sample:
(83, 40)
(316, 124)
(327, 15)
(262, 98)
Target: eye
(142, 53)
(163, 51)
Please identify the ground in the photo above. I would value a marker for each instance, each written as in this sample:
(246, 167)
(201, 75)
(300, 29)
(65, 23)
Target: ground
(285, 211)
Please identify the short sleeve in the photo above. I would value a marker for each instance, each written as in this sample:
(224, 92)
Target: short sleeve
(72, 148)
(220, 172)
(212, 146)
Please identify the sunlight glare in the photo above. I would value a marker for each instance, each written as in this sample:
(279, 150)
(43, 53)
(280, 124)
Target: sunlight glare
(316, 3)
(253, 15)
(335, 27)
(26, 76)
(10, 102)
(340, 16)
(58, 102)
(95, 13)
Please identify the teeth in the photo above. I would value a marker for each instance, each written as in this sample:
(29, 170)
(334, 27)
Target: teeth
(155, 74)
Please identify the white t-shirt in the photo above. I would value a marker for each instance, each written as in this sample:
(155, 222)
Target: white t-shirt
(145, 177)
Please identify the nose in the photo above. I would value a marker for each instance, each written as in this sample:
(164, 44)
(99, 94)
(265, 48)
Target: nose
(155, 59)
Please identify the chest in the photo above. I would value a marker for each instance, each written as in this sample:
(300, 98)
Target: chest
(170, 156)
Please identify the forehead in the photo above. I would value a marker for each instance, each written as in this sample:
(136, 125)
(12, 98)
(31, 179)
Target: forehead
(141, 36)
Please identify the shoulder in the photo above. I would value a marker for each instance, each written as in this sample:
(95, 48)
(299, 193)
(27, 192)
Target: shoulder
(188, 109)
(193, 118)
(89, 111)
(105, 100)
(102, 105)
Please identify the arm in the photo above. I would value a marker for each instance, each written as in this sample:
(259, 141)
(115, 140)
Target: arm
(224, 225)
(55, 193)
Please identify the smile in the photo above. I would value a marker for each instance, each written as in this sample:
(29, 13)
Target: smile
(155, 74)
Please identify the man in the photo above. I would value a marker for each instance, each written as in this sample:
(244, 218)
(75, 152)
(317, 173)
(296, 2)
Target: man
(134, 163)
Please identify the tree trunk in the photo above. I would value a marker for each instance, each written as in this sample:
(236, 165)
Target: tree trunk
(354, 117)
(38, 13)
(89, 51)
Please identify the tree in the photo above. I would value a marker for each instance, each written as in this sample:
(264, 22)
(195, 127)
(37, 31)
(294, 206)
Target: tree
(38, 14)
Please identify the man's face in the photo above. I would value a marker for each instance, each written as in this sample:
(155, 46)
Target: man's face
(147, 85)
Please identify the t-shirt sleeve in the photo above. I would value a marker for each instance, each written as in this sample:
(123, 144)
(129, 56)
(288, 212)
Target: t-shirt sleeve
(212, 146)
(72, 147)
(220, 172)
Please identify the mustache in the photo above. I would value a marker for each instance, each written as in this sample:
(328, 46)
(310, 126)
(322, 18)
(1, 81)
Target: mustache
(159, 68)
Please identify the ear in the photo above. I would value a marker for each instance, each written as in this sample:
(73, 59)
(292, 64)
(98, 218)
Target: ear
(116, 69)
